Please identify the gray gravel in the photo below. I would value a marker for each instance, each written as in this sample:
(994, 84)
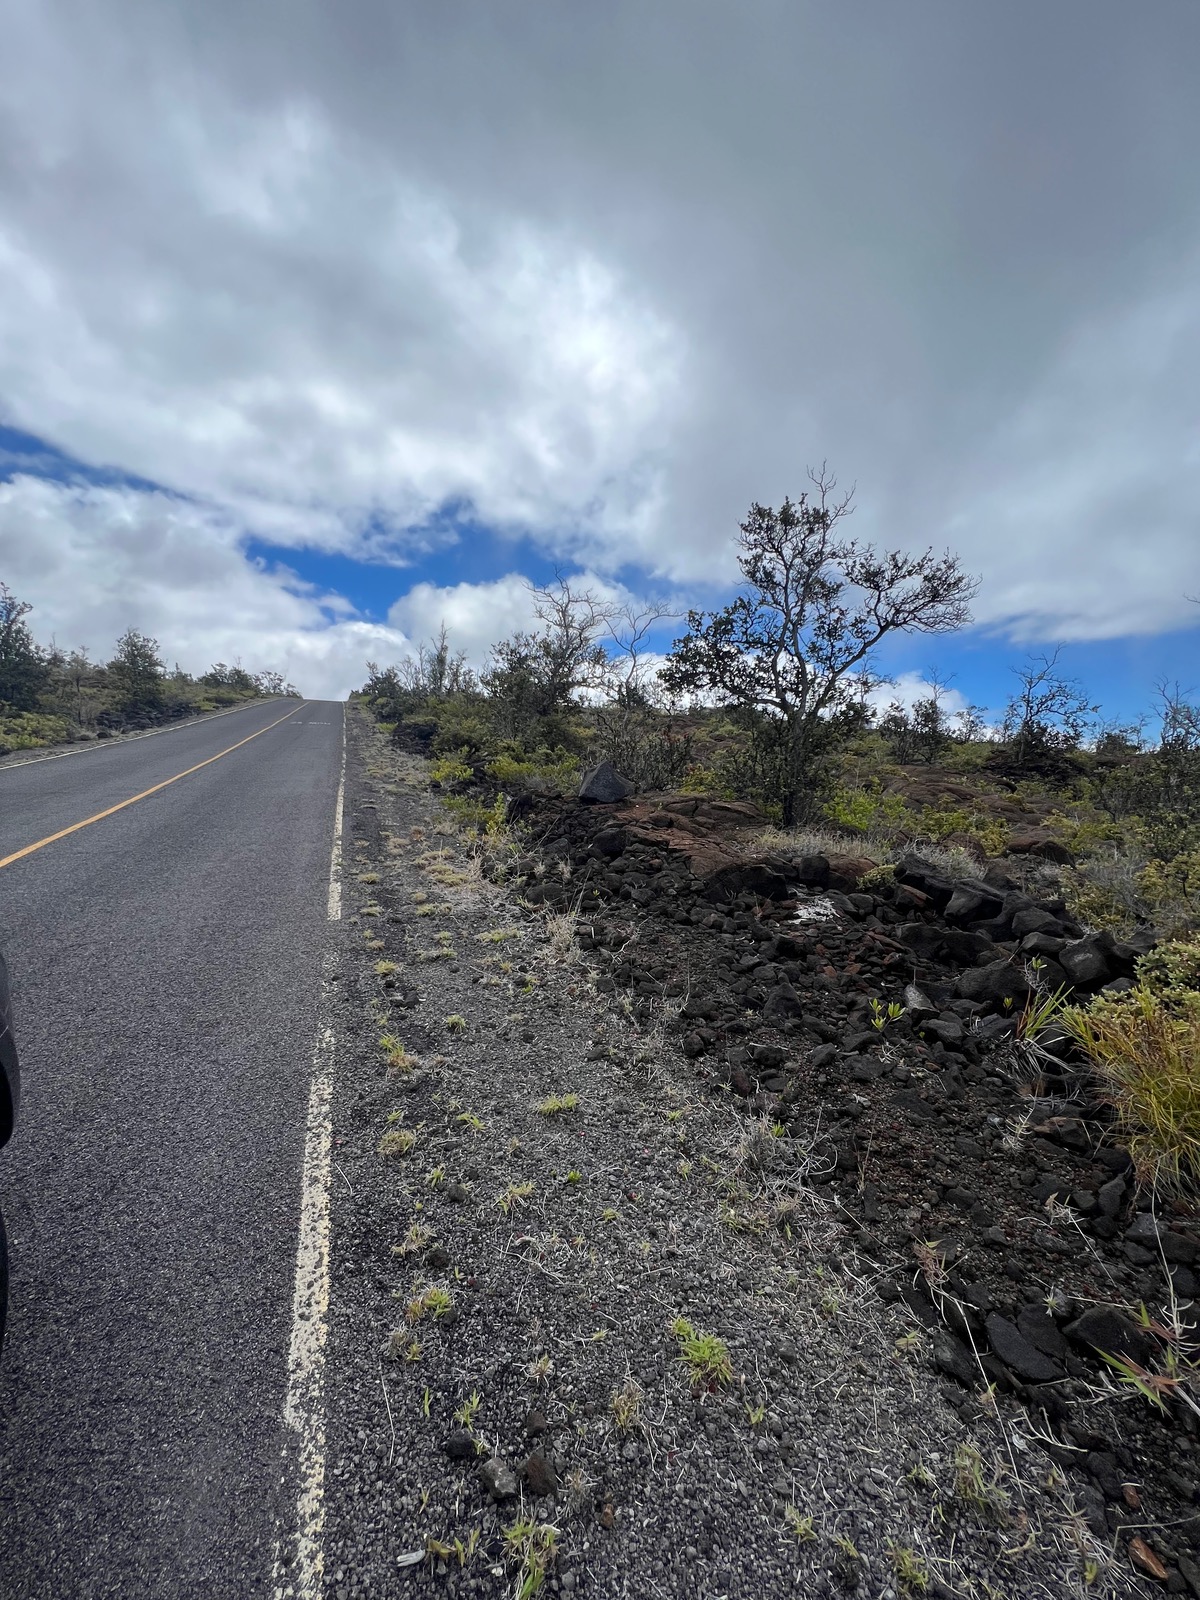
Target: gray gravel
(166, 970)
(642, 1204)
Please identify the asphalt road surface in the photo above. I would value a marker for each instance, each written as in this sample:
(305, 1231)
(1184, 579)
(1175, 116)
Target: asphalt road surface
(166, 965)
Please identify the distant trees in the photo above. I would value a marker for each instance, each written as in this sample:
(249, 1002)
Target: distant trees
(1164, 786)
(272, 683)
(24, 671)
(219, 676)
(48, 694)
(580, 682)
(139, 673)
(77, 687)
(535, 674)
(435, 673)
(787, 652)
(924, 730)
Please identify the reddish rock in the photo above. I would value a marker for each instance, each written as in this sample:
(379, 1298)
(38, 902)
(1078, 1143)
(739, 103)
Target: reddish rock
(1145, 1558)
(851, 870)
(1038, 842)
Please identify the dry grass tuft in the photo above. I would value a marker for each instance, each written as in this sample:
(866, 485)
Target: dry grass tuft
(1145, 1059)
(1144, 1046)
(398, 1142)
(625, 1406)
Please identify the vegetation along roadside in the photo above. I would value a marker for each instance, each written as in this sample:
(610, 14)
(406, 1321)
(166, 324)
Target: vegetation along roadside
(781, 1111)
(50, 696)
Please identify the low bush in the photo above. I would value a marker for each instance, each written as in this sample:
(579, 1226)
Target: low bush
(1144, 1046)
(1103, 892)
(866, 808)
(1172, 970)
(543, 771)
(932, 822)
(29, 730)
(1171, 890)
(1087, 835)
(966, 757)
(450, 771)
(700, 779)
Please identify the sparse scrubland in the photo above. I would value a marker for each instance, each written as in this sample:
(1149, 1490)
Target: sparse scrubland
(52, 696)
(912, 1005)
(774, 700)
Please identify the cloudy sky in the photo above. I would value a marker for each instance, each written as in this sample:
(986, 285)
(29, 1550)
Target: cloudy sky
(321, 323)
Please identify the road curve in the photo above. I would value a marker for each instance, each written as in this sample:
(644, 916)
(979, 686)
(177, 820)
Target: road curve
(166, 963)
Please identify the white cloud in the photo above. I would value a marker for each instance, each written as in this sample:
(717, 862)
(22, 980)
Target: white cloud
(96, 561)
(301, 332)
(476, 615)
(605, 275)
(479, 615)
(908, 688)
(1088, 492)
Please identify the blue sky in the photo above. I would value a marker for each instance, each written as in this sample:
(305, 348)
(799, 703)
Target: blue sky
(301, 354)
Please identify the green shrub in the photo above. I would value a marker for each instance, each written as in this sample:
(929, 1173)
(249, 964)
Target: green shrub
(938, 823)
(866, 808)
(30, 730)
(1085, 836)
(509, 771)
(1099, 904)
(706, 780)
(965, 757)
(471, 811)
(1172, 971)
(450, 769)
(1173, 887)
(548, 770)
(454, 728)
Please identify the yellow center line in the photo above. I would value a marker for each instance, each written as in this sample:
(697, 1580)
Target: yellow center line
(17, 855)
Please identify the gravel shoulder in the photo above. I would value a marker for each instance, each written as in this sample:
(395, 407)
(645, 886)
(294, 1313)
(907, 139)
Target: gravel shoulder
(540, 1210)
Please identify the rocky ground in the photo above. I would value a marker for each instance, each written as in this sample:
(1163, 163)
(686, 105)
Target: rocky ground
(667, 1263)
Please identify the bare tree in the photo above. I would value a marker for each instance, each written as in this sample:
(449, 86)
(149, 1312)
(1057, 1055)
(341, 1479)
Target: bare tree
(1048, 712)
(536, 673)
(815, 606)
(636, 724)
(629, 680)
(76, 686)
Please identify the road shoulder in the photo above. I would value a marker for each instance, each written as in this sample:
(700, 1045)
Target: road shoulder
(556, 1345)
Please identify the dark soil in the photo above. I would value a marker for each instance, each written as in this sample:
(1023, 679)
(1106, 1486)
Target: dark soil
(577, 1148)
(987, 1171)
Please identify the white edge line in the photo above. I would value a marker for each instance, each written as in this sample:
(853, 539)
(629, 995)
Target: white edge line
(90, 749)
(299, 1556)
(335, 861)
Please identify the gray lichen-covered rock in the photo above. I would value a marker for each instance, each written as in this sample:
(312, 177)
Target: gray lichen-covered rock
(603, 784)
(499, 1479)
(971, 902)
(1085, 962)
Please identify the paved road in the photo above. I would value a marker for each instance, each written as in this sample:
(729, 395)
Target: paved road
(166, 966)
